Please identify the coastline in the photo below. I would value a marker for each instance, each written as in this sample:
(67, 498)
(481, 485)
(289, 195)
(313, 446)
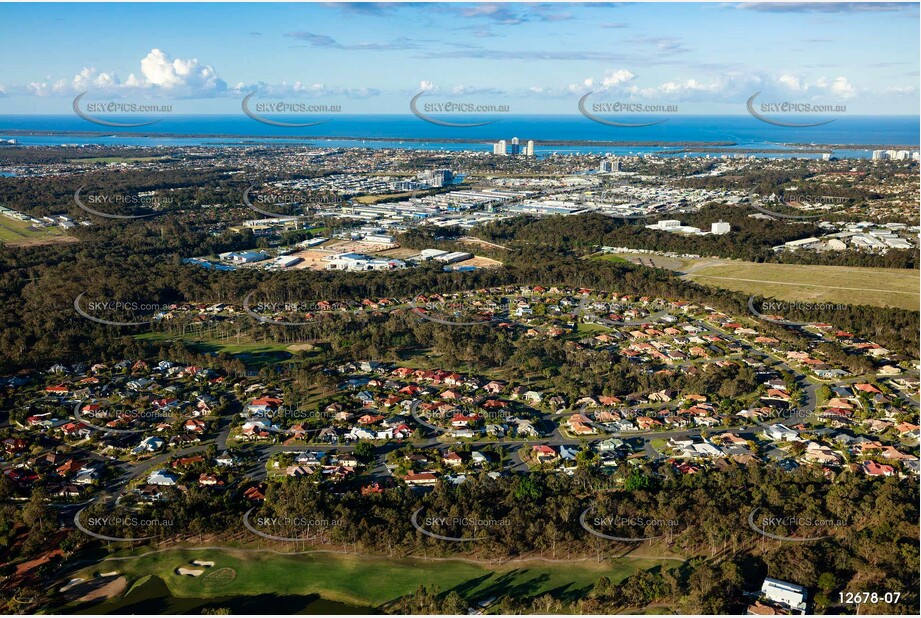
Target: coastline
(697, 145)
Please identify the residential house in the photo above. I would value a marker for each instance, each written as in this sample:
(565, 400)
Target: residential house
(420, 479)
(162, 478)
(871, 468)
(544, 453)
(149, 444)
(781, 433)
(819, 453)
(785, 594)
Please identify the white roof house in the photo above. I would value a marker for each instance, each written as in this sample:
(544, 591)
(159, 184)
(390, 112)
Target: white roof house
(784, 593)
(149, 445)
(162, 477)
(781, 432)
(702, 449)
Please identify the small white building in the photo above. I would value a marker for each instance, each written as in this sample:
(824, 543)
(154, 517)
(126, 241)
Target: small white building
(379, 239)
(674, 226)
(791, 596)
(287, 261)
(781, 433)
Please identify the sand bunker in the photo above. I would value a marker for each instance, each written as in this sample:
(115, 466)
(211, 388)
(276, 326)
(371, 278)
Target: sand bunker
(204, 563)
(189, 572)
(95, 589)
(71, 584)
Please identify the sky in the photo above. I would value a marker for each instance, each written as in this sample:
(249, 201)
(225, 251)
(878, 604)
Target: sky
(535, 58)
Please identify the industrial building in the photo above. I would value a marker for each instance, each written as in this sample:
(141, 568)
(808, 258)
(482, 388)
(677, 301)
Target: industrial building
(287, 261)
(361, 262)
(454, 256)
(243, 257)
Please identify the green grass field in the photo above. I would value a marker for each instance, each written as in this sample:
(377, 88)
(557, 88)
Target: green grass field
(13, 232)
(609, 257)
(366, 580)
(586, 329)
(880, 287)
(254, 354)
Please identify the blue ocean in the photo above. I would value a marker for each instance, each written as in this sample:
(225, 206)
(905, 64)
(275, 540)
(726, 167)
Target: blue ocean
(408, 131)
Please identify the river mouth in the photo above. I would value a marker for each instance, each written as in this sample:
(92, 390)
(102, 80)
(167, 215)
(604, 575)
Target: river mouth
(154, 597)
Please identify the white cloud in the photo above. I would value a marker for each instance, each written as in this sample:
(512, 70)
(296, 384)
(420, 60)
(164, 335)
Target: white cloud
(300, 89)
(790, 81)
(838, 87)
(586, 85)
(160, 69)
(618, 77)
(623, 82)
(842, 88)
(458, 91)
(723, 88)
(465, 91)
(161, 75)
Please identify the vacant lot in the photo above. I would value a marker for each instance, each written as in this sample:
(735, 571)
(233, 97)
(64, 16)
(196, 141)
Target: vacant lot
(315, 258)
(401, 253)
(656, 261)
(880, 287)
(481, 262)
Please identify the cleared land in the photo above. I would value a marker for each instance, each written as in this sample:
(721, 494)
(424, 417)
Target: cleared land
(374, 199)
(15, 232)
(315, 258)
(400, 253)
(366, 580)
(481, 262)
(878, 287)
